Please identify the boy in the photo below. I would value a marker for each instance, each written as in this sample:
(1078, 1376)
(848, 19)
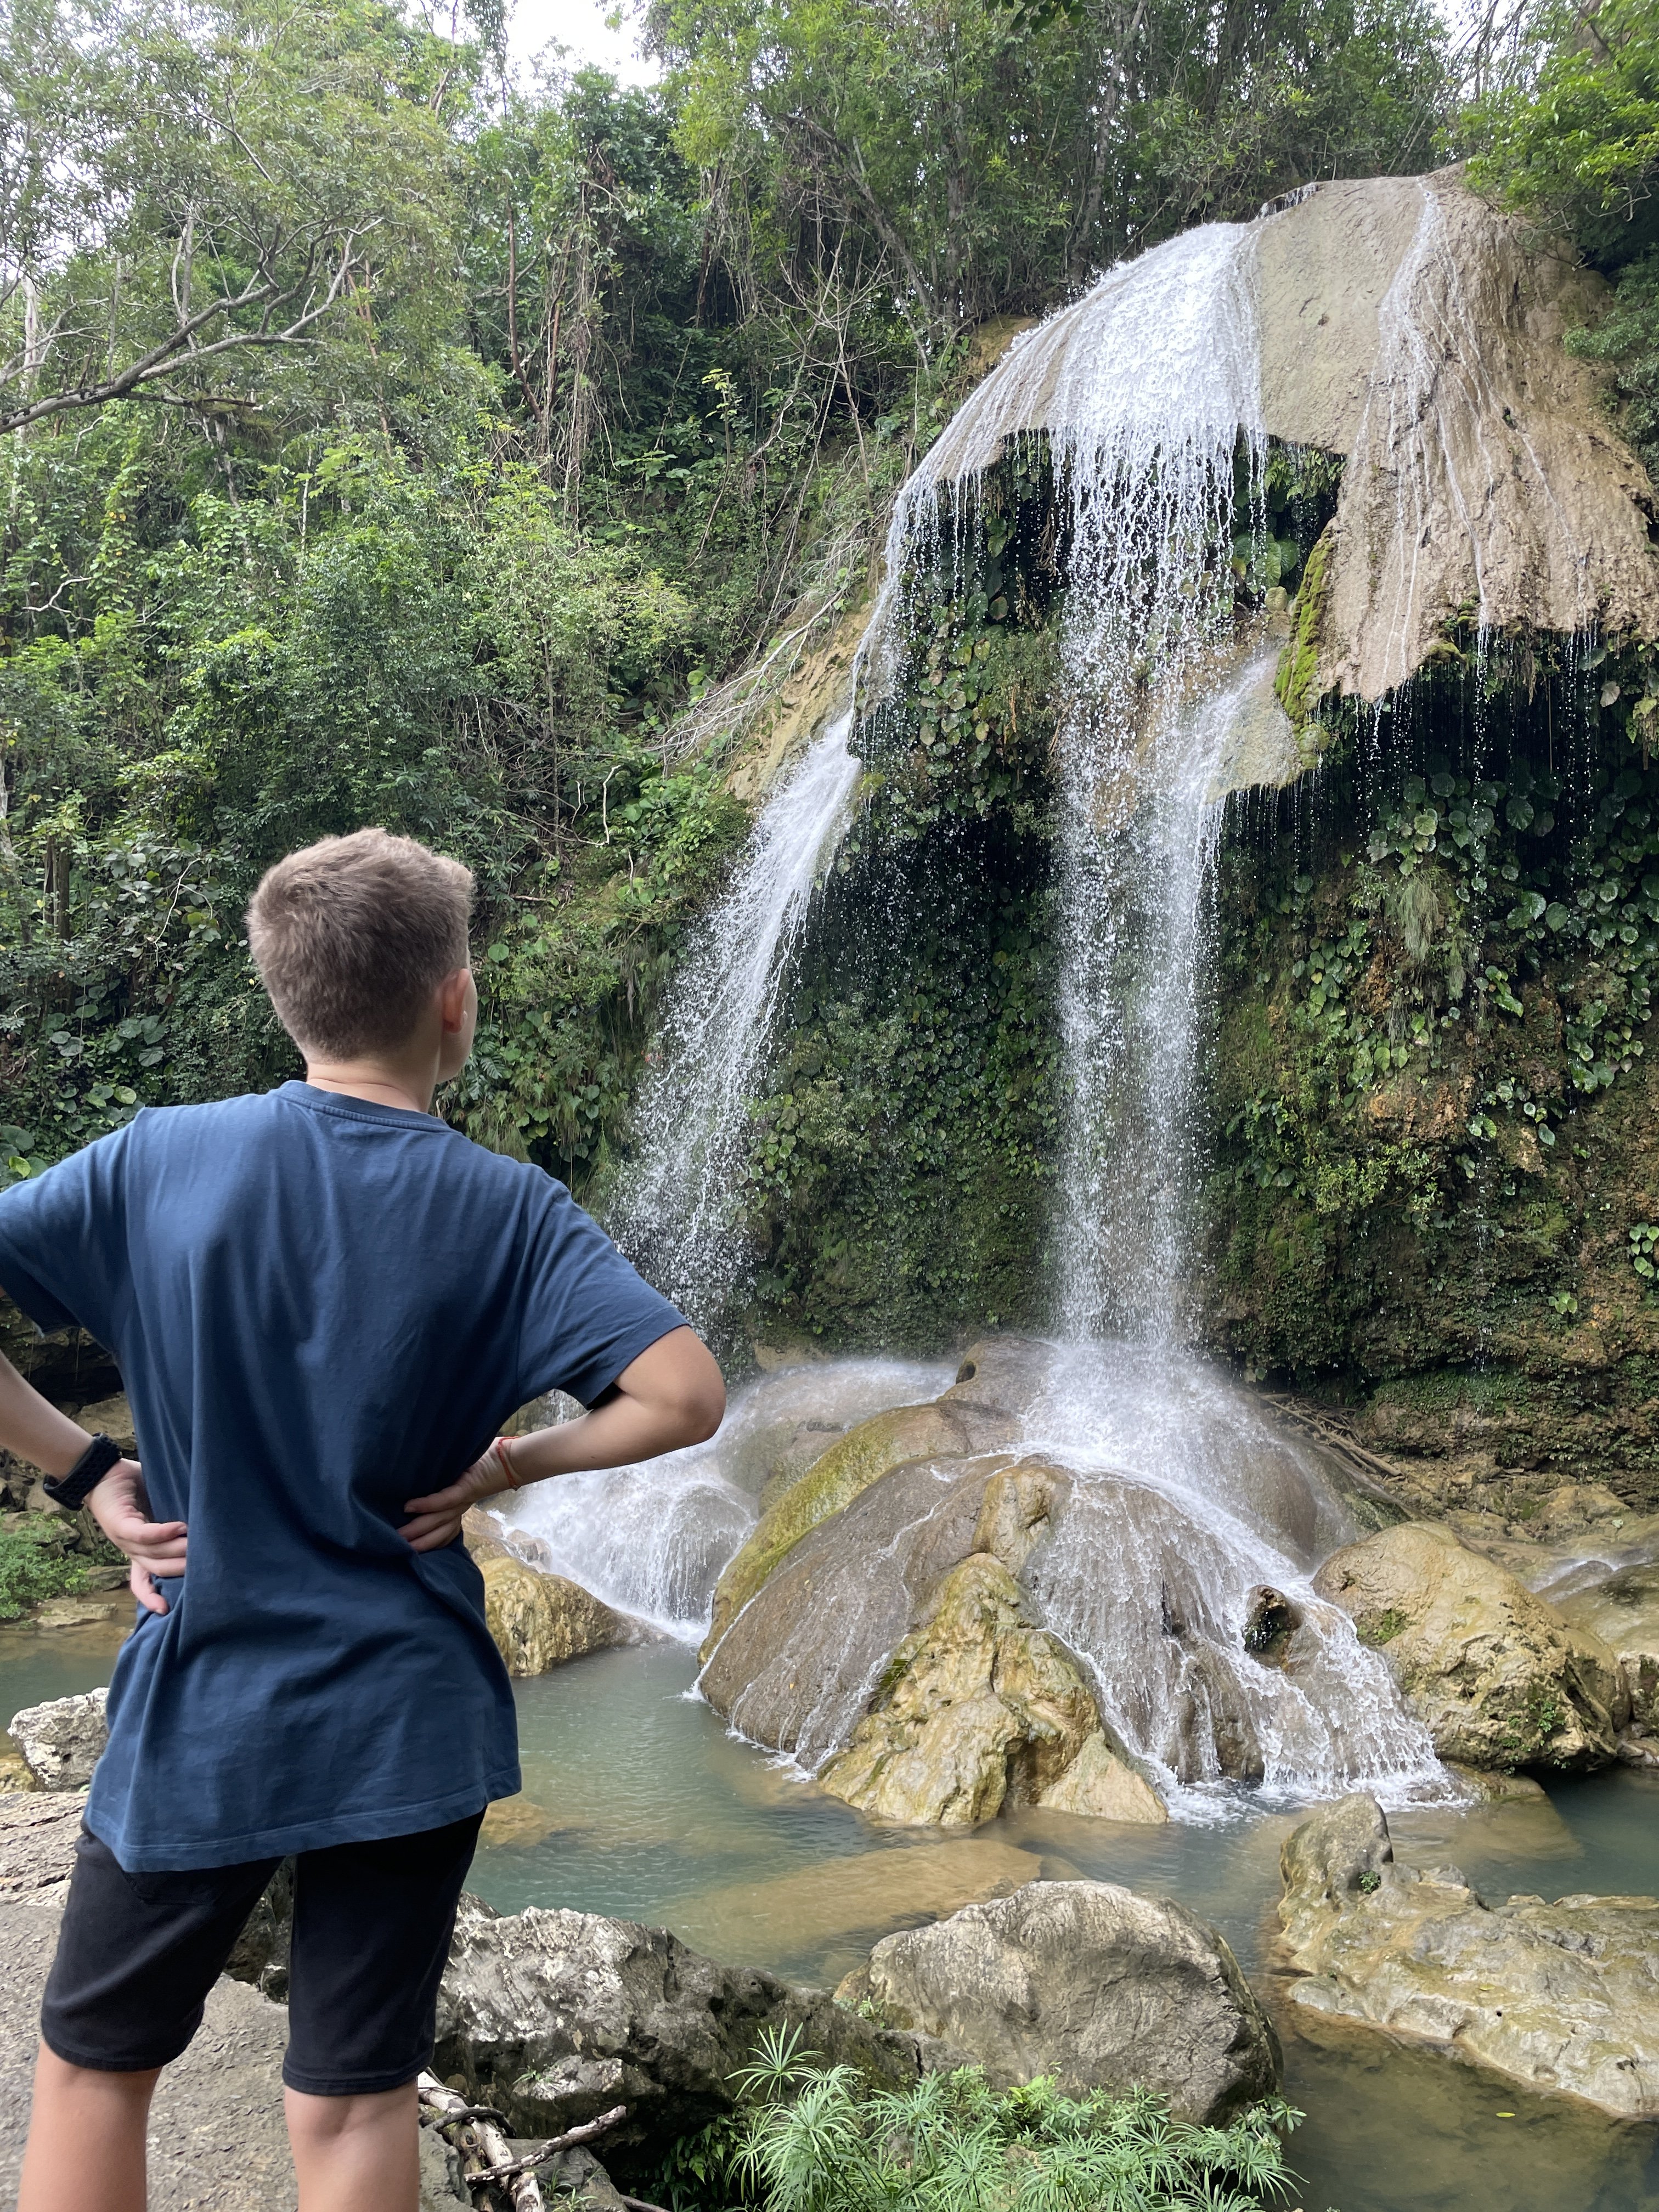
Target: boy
(324, 1303)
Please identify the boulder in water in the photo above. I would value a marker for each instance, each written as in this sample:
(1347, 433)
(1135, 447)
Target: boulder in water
(840, 1474)
(794, 1668)
(1087, 1984)
(1558, 1996)
(61, 1741)
(555, 2016)
(1101, 1782)
(539, 1620)
(1496, 1675)
(976, 1708)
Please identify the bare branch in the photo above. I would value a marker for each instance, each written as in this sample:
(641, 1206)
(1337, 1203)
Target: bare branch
(268, 294)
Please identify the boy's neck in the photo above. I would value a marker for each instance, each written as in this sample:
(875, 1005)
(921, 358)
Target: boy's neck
(382, 1083)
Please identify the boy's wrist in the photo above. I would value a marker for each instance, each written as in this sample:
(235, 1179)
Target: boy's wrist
(72, 1488)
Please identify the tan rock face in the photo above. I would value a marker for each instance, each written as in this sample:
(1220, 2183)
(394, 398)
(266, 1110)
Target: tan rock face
(1105, 1787)
(976, 1708)
(1559, 1997)
(538, 1622)
(1087, 1984)
(1496, 1675)
(1414, 329)
(1623, 1612)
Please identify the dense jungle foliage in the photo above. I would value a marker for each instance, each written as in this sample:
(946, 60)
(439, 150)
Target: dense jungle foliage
(389, 439)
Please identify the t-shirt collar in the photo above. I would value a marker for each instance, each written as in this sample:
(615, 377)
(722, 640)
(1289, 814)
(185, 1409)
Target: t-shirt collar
(357, 1109)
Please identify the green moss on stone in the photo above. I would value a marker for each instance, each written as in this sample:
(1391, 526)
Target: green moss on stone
(851, 1463)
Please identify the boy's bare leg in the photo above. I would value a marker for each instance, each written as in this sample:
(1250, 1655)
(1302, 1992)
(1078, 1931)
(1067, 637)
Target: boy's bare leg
(86, 2147)
(355, 2154)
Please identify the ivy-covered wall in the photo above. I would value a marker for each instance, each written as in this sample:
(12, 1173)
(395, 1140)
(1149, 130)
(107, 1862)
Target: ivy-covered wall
(1435, 1175)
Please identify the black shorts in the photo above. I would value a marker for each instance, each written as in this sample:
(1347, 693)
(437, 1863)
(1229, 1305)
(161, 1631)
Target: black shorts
(138, 1953)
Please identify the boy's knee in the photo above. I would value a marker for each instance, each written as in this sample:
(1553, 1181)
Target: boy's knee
(325, 2120)
(63, 2077)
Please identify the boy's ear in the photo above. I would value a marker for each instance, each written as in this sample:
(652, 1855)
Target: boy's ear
(458, 996)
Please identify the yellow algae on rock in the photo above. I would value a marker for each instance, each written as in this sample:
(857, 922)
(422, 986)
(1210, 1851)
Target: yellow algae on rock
(538, 1622)
(976, 1707)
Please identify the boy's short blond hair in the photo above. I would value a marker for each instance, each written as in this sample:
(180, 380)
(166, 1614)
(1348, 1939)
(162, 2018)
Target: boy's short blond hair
(352, 935)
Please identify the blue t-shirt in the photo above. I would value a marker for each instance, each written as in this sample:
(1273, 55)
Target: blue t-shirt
(320, 1308)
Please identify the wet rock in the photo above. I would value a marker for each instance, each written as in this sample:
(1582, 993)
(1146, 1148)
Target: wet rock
(1085, 1982)
(1496, 1675)
(1623, 1613)
(553, 2016)
(540, 1620)
(61, 1741)
(840, 1476)
(516, 1823)
(1101, 1782)
(977, 1709)
(794, 1670)
(1002, 1377)
(1558, 1996)
(1270, 1624)
(1493, 1787)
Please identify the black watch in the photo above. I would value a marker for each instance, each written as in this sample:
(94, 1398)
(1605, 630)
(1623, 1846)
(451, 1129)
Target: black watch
(72, 1491)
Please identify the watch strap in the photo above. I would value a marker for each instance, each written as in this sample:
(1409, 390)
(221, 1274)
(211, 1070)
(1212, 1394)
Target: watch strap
(72, 1491)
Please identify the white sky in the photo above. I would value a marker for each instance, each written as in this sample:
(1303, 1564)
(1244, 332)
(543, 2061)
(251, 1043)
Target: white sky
(582, 27)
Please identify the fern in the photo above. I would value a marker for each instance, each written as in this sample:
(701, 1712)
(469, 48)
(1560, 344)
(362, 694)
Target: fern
(805, 2137)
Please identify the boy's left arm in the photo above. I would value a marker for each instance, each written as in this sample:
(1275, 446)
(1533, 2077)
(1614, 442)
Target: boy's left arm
(34, 1429)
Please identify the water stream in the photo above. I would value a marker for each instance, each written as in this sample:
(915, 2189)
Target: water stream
(676, 1212)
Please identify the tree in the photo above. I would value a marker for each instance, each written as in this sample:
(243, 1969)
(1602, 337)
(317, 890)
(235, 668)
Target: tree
(183, 194)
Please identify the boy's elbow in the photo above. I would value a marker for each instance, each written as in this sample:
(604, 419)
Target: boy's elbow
(703, 1407)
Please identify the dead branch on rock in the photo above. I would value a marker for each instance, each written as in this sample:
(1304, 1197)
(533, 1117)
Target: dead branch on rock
(487, 2161)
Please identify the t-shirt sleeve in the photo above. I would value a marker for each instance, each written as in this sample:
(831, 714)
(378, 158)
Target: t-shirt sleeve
(586, 1313)
(62, 1240)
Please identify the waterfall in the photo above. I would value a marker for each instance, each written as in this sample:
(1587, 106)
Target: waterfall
(1182, 1512)
(1147, 387)
(676, 1211)
(1187, 1502)
(651, 1540)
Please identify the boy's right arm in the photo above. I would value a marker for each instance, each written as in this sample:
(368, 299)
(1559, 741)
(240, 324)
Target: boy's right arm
(673, 1395)
(33, 1427)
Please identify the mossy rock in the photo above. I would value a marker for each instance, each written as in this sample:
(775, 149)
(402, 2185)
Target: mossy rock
(975, 1708)
(1297, 682)
(851, 1463)
(538, 1622)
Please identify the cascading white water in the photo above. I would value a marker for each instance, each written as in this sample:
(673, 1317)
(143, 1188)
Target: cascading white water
(1188, 1503)
(676, 1211)
(651, 1540)
(1147, 386)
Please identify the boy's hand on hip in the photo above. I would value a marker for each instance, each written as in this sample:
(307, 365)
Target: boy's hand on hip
(121, 1509)
(436, 1520)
